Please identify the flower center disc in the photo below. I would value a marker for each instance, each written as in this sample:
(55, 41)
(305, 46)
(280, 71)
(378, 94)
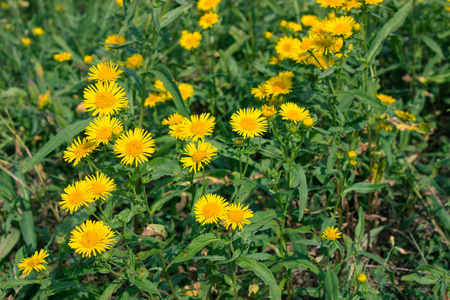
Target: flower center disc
(211, 210)
(293, 115)
(76, 197)
(33, 262)
(199, 155)
(287, 47)
(106, 74)
(198, 127)
(134, 148)
(248, 124)
(97, 188)
(104, 99)
(104, 133)
(235, 216)
(90, 239)
(278, 86)
(81, 150)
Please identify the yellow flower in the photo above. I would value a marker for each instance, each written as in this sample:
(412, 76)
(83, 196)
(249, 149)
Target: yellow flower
(308, 122)
(331, 233)
(309, 20)
(274, 60)
(286, 46)
(319, 61)
(210, 209)
(4, 5)
(115, 40)
(341, 26)
(405, 116)
(325, 44)
(26, 41)
(237, 215)
(100, 130)
(197, 156)
(104, 71)
(348, 5)
(283, 23)
(134, 61)
(386, 99)
(175, 118)
(88, 59)
(268, 111)
(78, 150)
(120, 2)
(208, 20)
(356, 27)
(295, 27)
(153, 99)
(319, 28)
(292, 112)
(91, 238)
(248, 122)
(76, 196)
(207, 5)
(361, 278)
(105, 98)
(331, 3)
(43, 100)
(34, 262)
(351, 154)
(100, 185)
(8, 26)
(60, 8)
(197, 127)
(177, 131)
(279, 85)
(159, 85)
(38, 31)
(260, 92)
(134, 146)
(63, 56)
(190, 40)
(186, 90)
(373, 2)
(386, 127)
(352, 163)
(268, 35)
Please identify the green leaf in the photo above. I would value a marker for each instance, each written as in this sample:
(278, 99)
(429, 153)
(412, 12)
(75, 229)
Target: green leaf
(301, 264)
(194, 247)
(360, 226)
(441, 213)
(28, 230)
(365, 98)
(7, 242)
(19, 282)
(365, 187)
(302, 190)
(146, 285)
(425, 280)
(262, 272)
(172, 15)
(64, 135)
(433, 46)
(392, 25)
(332, 285)
(327, 72)
(161, 201)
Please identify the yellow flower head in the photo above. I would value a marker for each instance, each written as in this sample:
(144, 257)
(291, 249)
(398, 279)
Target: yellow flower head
(268, 111)
(283, 23)
(207, 5)
(26, 41)
(100, 185)
(351, 154)
(134, 146)
(341, 26)
(38, 31)
(373, 2)
(292, 112)
(386, 127)
(186, 90)
(274, 60)
(91, 238)
(279, 85)
(325, 44)
(75, 196)
(175, 118)
(78, 150)
(260, 92)
(331, 3)
(35, 262)
(348, 5)
(295, 27)
(237, 216)
(309, 20)
(115, 40)
(352, 162)
(120, 2)
(386, 99)
(308, 122)
(153, 99)
(248, 122)
(101, 129)
(134, 61)
(43, 100)
(190, 40)
(88, 59)
(210, 209)
(199, 156)
(319, 59)
(177, 131)
(405, 116)
(105, 98)
(197, 127)
(159, 85)
(331, 233)
(63, 56)
(60, 8)
(268, 35)
(286, 46)
(361, 278)
(104, 71)
(208, 20)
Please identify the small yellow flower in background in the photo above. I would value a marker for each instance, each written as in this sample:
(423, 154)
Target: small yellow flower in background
(76, 195)
(60, 8)
(405, 116)
(207, 5)
(353, 162)
(237, 215)
(248, 122)
(134, 146)
(38, 31)
(26, 41)
(208, 20)
(268, 35)
(319, 28)
(325, 44)
(331, 3)
(88, 58)
(100, 130)
(348, 5)
(78, 150)
(91, 238)
(186, 90)
(8, 26)
(351, 154)
(43, 100)
(309, 20)
(134, 61)
(152, 100)
(283, 23)
(117, 131)
(373, 2)
(114, 39)
(198, 126)
(292, 112)
(253, 289)
(274, 60)
(341, 26)
(308, 122)
(35, 262)
(331, 233)
(386, 99)
(173, 119)
(4, 5)
(120, 2)
(361, 278)
(268, 111)
(159, 85)
(356, 27)
(105, 98)
(197, 156)
(286, 46)
(63, 56)
(295, 27)
(210, 209)
(100, 185)
(104, 71)
(260, 92)
(279, 85)
(386, 127)
(190, 40)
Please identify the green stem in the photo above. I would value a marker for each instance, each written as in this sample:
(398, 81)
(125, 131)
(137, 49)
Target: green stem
(167, 275)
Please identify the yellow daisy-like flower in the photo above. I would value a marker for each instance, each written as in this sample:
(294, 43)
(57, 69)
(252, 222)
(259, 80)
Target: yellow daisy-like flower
(274, 60)
(78, 150)
(248, 122)
(134, 61)
(134, 146)
(268, 35)
(283, 23)
(105, 98)
(260, 92)
(341, 26)
(405, 116)
(237, 215)
(331, 3)
(190, 40)
(373, 2)
(177, 131)
(198, 126)
(295, 27)
(114, 39)
(91, 238)
(325, 44)
(159, 85)
(101, 129)
(63, 56)
(286, 46)
(268, 111)
(386, 99)
(207, 5)
(331, 233)
(26, 41)
(292, 112)
(210, 209)
(309, 20)
(319, 61)
(38, 31)
(279, 85)
(76, 195)
(351, 154)
(104, 71)
(361, 278)
(348, 5)
(319, 28)
(152, 99)
(43, 100)
(100, 185)
(186, 90)
(35, 262)
(208, 20)
(175, 118)
(308, 122)
(120, 2)
(197, 156)
(88, 59)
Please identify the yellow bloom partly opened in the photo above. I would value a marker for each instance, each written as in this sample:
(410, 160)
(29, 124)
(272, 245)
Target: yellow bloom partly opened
(134, 146)
(248, 122)
(91, 238)
(210, 209)
(198, 156)
(35, 262)
(78, 150)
